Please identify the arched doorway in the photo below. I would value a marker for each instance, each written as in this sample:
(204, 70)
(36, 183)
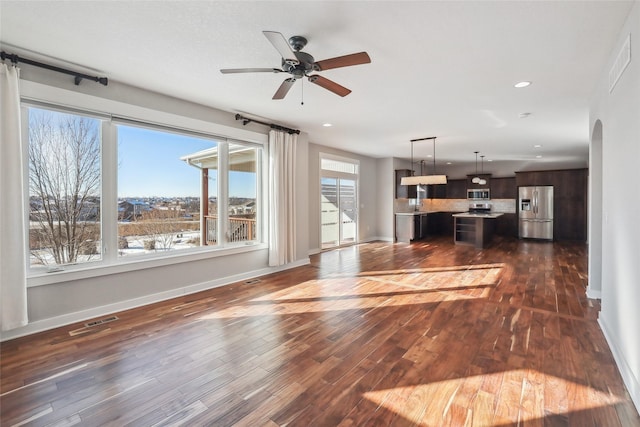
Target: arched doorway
(594, 289)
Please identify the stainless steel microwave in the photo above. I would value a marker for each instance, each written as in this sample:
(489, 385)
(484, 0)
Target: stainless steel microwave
(478, 194)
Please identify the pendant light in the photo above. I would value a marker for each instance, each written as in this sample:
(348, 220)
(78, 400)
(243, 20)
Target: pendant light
(424, 179)
(476, 179)
(482, 181)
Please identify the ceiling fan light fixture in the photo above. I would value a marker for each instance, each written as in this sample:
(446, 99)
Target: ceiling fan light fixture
(300, 64)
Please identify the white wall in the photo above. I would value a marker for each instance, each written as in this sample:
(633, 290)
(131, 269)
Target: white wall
(619, 112)
(368, 194)
(386, 193)
(79, 298)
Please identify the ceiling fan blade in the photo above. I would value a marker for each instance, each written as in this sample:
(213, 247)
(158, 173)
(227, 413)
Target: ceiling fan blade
(282, 46)
(329, 85)
(250, 70)
(343, 61)
(284, 88)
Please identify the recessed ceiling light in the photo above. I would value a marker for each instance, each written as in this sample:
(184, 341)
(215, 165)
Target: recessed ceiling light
(522, 84)
(327, 125)
(429, 155)
(448, 163)
(490, 160)
(538, 156)
(537, 146)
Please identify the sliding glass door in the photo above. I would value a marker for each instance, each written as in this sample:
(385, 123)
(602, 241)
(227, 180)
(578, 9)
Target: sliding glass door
(338, 201)
(338, 212)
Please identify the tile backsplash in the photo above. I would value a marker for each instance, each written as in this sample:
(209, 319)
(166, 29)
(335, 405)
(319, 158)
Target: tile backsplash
(451, 205)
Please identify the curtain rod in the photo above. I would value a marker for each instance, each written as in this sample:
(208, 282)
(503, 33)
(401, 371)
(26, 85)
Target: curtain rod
(77, 76)
(246, 120)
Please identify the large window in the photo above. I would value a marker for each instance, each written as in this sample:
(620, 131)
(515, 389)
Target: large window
(149, 191)
(158, 192)
(64, 188)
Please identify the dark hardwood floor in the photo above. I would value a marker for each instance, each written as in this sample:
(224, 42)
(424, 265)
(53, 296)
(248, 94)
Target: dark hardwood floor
(377, 334)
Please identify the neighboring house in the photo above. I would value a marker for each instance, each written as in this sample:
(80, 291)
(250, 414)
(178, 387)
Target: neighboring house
(131, 210)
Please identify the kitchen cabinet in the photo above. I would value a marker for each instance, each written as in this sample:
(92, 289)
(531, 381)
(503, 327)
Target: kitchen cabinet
(474, 229)
(437, 191)
(457, 189)
(440, 223)
(507, 225)
(405, 191)
(504, 188)
(411, 226)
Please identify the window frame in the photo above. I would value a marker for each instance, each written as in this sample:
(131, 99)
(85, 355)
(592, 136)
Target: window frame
(46, 97)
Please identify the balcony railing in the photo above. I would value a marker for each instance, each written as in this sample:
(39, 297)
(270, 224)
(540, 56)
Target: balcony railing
(240, 229)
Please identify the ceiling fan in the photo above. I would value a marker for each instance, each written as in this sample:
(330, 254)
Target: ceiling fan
(300, 64)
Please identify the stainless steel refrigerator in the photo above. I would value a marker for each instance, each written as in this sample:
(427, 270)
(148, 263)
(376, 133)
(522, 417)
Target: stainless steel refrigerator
(535, 208)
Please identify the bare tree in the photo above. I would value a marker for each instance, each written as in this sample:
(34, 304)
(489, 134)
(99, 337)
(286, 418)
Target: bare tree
(162, 226)
(64, 185)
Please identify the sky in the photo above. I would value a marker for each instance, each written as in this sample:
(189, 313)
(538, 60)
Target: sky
(149, 165)
(149, 162)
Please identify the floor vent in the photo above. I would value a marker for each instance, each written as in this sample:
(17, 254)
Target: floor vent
(622, 60)
(252, 281)
(101, 321)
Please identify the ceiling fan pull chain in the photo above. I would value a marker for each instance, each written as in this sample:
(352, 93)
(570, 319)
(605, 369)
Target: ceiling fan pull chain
(301, 91)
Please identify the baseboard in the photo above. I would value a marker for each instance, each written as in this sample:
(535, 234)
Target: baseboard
(314, 251)
(632, 383)
(594, 294)
(79, 316)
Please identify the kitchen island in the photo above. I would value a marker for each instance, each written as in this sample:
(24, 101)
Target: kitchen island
(474, 229)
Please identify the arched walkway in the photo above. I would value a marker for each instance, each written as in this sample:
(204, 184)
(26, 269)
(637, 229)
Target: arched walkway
(594, 289)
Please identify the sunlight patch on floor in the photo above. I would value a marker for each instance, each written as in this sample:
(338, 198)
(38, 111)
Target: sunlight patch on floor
(467, 400)
(372, 289)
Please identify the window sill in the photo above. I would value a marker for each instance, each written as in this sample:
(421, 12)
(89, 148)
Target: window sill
(90, 270)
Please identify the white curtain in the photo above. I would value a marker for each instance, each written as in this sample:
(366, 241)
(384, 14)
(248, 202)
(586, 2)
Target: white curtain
(13, 268)
(282, 208)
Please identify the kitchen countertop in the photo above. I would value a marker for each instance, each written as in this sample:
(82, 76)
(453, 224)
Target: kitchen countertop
(416, 213)
(477, 215)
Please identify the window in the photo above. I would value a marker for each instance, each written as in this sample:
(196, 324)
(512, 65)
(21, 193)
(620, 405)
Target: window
(242, 193)
(158, 192)
(96, 183)
(64, 188)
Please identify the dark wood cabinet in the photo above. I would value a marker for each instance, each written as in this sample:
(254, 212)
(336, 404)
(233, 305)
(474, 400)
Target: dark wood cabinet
(457, 189)
(404, 191)
(569, 199)
(476, 232)
(507, 225)
(437, 191)
(504, 188)
(440, 223)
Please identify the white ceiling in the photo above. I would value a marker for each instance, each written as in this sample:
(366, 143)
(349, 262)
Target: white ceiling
(443, 69)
